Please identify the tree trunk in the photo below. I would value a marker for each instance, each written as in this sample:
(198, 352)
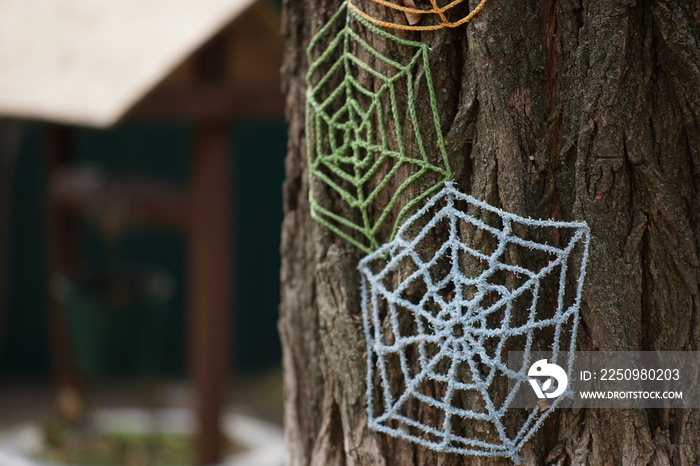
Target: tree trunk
(565, 109)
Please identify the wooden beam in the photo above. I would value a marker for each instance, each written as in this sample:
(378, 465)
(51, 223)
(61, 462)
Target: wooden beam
(210, 103)
(11, 133)
(62, 245)
(211, 277)
(211, 285)
(138, 201)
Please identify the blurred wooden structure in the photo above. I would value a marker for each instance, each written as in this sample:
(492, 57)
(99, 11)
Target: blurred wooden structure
(206, 62)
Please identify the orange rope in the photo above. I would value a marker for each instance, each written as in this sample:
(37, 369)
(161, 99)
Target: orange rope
(410, 9)
(442, 15)
(435, 10)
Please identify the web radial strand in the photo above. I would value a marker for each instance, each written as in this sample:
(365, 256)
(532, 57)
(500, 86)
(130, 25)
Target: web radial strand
(458, 339)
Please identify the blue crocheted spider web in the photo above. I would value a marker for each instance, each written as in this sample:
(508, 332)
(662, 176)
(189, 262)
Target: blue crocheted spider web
(444, 319)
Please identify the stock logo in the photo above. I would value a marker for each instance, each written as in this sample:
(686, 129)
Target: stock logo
(542, 368)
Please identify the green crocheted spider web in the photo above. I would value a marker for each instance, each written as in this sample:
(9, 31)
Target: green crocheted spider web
(363, 131)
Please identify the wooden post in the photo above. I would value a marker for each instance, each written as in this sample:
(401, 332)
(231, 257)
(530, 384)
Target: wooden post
(10, 146)
(62, 238)
(211, 280)
(211, 285)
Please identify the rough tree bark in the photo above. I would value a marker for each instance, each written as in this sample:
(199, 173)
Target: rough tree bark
(567, 109)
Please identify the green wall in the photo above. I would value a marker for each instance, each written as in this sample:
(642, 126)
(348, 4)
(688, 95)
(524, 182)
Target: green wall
(160, 151)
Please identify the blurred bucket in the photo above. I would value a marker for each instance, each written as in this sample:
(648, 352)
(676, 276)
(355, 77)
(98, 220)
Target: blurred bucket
(116, 317)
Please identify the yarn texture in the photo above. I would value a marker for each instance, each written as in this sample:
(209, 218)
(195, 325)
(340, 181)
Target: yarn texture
(435, 10)
(444, 319)
(361, 135)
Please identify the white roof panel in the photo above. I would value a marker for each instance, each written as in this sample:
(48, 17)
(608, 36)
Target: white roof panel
(88, 61)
